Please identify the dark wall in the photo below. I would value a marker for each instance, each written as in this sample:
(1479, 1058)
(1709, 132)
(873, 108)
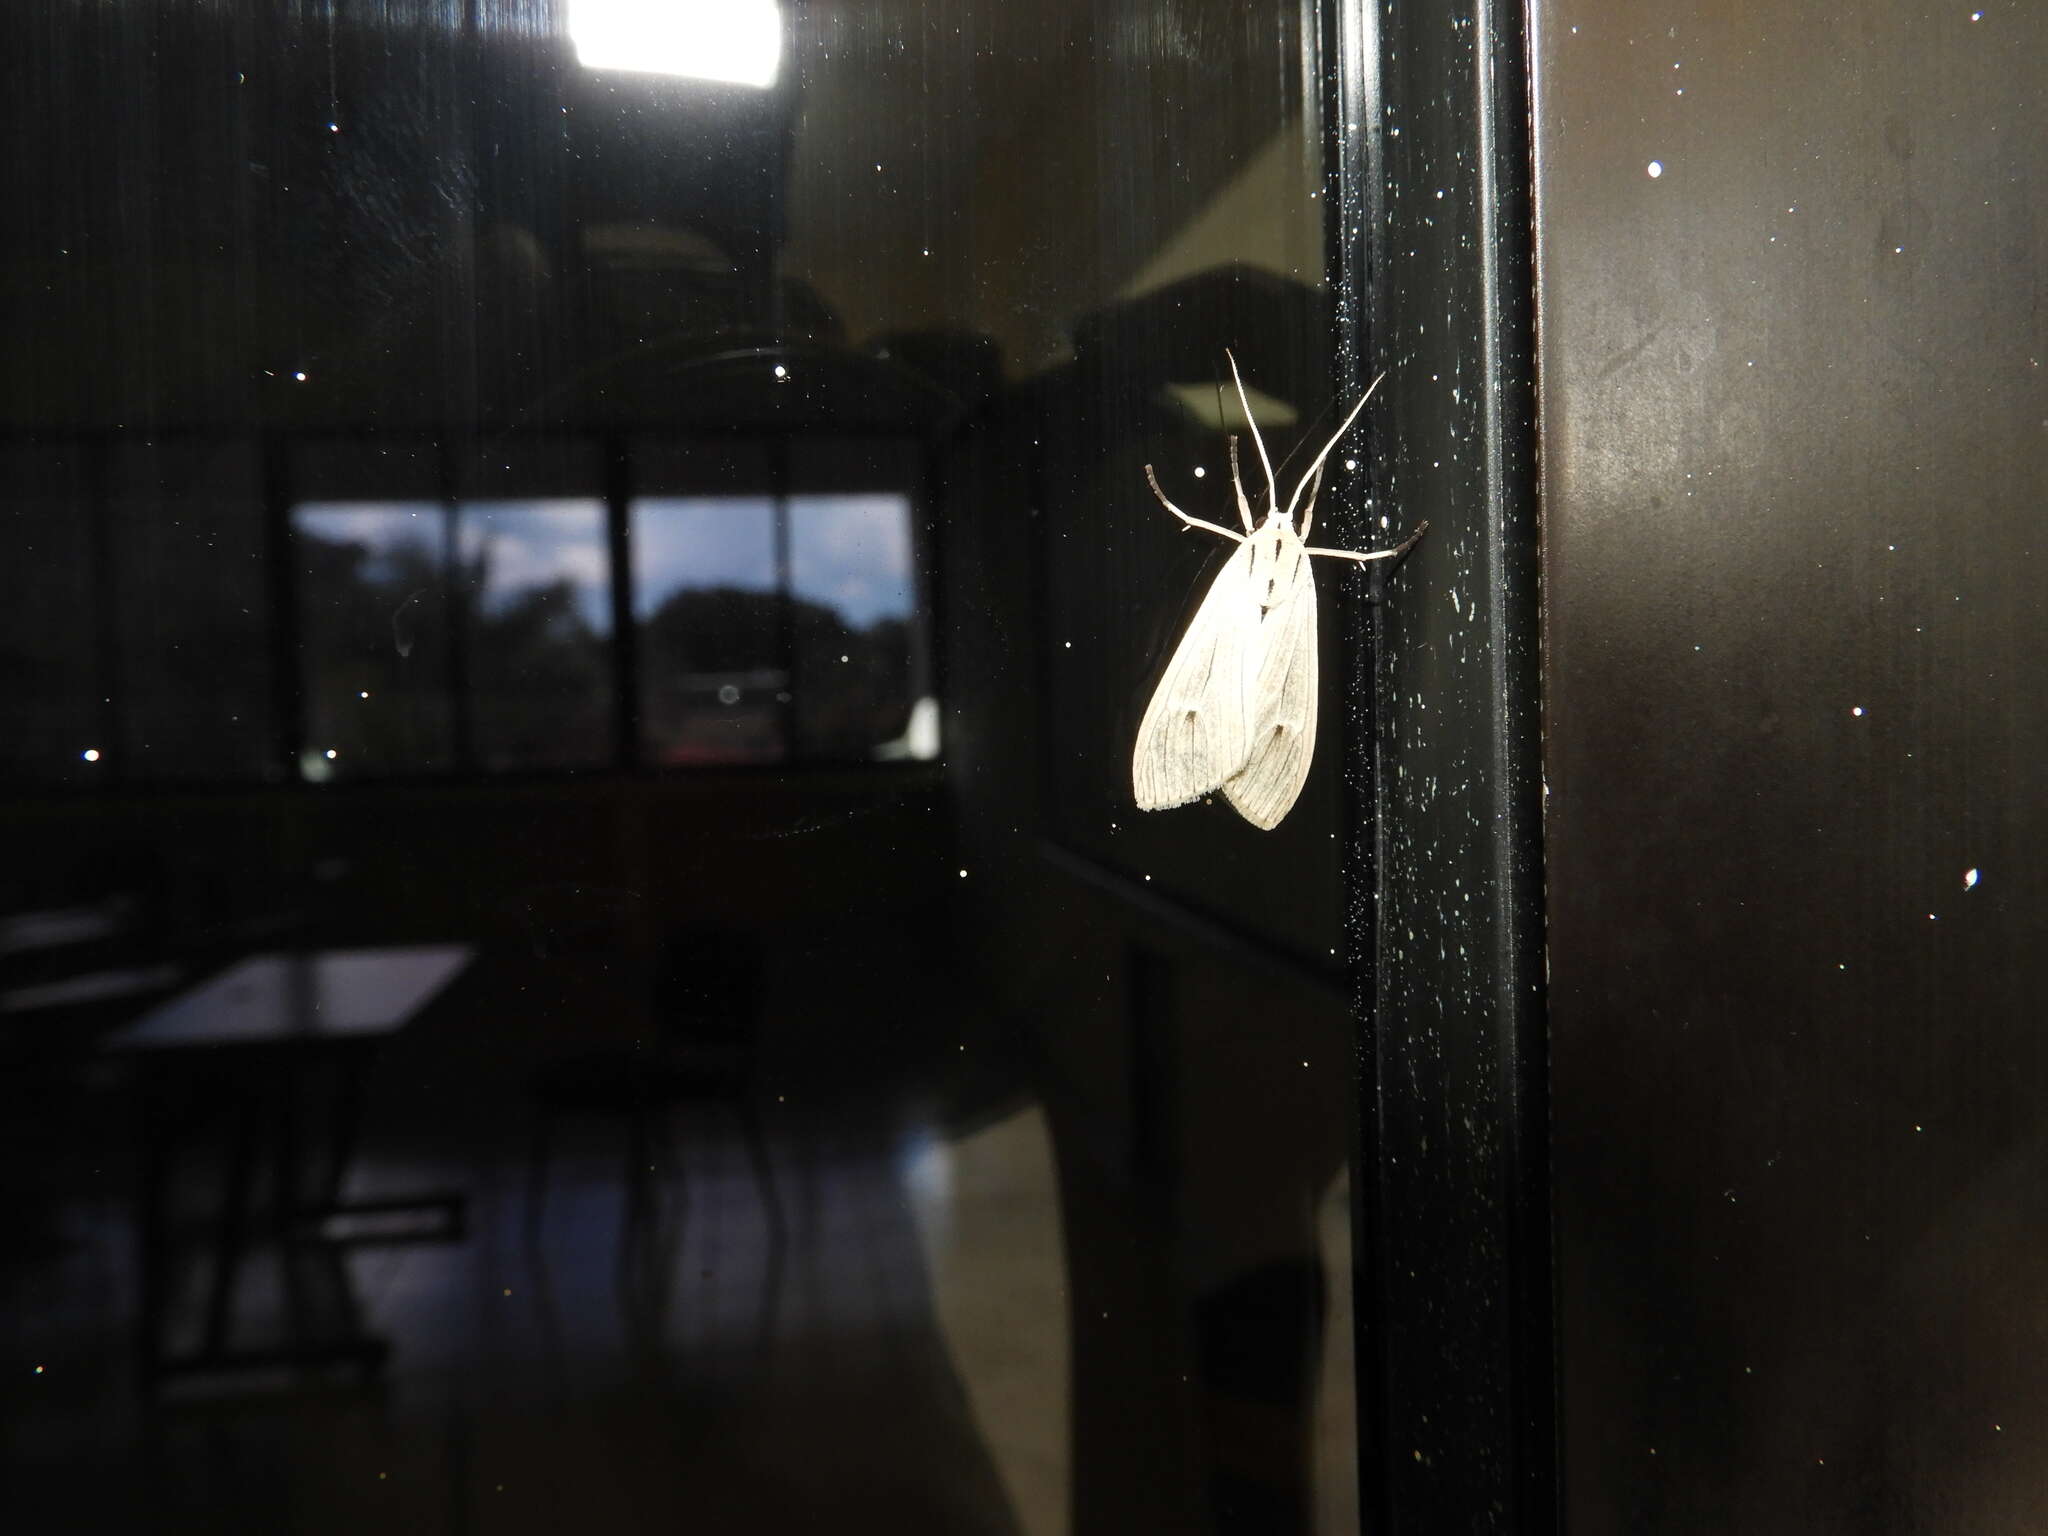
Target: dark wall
(1792, 342)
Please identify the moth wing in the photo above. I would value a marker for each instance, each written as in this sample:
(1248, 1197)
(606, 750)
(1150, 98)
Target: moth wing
(1281, 720)
(1193, 735)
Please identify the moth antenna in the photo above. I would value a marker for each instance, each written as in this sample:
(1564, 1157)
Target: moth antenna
(1315, 469)
(1244, 508)
(1272, 487)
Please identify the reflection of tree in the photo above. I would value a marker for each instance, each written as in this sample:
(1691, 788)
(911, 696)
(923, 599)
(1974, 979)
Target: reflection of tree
(712, 629)
(376, 624)
(540, 676)
(361, 598)
(846, 708)
(840, 709)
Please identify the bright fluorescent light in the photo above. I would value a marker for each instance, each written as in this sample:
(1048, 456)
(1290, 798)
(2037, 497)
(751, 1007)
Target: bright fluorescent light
(734, 40)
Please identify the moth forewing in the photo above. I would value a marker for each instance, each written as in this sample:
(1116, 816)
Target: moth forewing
(1283, 690)
(1193, 734)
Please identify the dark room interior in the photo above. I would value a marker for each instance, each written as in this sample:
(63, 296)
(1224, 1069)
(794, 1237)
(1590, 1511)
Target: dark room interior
(577, 587)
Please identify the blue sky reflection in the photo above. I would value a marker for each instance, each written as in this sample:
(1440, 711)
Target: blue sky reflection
(537, 544)
(382, 528)
(683, 542)
(852, 553)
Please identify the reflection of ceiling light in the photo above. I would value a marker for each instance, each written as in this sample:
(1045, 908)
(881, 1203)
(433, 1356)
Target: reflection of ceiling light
(733, 40)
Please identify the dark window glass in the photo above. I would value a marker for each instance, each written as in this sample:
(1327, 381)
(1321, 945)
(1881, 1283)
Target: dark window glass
(499, 491)
(192, 615)
(49, 644)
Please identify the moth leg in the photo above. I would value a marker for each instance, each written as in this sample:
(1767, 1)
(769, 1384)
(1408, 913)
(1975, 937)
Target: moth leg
(1193, 522)
(1401, 548)
(1244, 507)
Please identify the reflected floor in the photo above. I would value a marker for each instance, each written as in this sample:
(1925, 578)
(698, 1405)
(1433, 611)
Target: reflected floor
(882, 1347)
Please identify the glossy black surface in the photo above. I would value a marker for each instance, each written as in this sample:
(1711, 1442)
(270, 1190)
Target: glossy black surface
(683, 547)
(1792, 369)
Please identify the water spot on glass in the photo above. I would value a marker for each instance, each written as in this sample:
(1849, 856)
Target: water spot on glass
(403, 625)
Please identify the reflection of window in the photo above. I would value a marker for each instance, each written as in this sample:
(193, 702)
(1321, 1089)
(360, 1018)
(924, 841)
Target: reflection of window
(852, 657)
(392, 686)
(713, 686)
(777, 627)
(204, 610)
(537, 583)
(374, 636)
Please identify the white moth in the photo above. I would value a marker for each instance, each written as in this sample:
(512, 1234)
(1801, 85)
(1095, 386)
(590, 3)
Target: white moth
(1236, 708)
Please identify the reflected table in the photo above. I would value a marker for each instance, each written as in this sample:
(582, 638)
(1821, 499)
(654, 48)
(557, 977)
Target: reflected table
(266, 1049)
